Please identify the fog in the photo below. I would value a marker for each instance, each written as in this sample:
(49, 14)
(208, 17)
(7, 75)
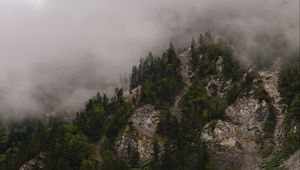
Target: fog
(55, 54)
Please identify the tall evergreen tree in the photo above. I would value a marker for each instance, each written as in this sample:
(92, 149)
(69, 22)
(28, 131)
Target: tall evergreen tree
(194, 56)
(156, 150)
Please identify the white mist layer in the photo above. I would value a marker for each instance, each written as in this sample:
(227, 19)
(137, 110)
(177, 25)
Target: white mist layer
(55, 54)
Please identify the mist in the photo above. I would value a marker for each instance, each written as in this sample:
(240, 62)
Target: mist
(55, 54)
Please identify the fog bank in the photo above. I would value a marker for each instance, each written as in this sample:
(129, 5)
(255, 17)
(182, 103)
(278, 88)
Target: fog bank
(55, 54)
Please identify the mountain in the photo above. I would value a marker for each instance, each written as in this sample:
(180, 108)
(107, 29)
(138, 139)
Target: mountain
(193, 108)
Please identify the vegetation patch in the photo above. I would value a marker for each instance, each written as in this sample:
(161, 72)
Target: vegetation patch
(159, 77)
(265, 152)
(270, 124)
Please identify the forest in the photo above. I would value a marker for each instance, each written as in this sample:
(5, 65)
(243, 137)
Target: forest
(72, 145)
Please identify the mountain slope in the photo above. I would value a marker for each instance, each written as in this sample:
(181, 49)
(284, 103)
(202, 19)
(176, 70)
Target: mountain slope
(196, 108)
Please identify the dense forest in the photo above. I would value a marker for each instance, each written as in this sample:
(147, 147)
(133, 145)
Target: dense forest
(74, 145)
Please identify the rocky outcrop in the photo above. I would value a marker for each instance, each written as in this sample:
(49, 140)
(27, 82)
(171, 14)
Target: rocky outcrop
(236, 136)
(132, 95)
(270, 80)
(249, 114)
(37, 163)
(235, 140)
(293, 162)
(145, 119)
(217, 85)
(139, 133)
(132, 138)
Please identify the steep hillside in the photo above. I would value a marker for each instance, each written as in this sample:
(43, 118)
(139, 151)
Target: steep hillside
(195, 108)
(234, 117)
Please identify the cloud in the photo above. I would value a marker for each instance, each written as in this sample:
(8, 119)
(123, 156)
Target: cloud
(54, 54)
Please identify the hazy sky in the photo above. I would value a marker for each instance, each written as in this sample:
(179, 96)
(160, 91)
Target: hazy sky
(54, 54)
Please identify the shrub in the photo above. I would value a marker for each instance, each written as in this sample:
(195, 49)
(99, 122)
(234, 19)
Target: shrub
(266, 151)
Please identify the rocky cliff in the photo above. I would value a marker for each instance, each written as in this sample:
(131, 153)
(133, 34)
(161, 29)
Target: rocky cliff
(237, 140)
(248, 133)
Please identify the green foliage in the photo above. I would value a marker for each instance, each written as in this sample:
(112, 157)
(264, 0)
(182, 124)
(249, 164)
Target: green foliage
(276, 161)
(289, 83)
(198, 108)
(270, 123)
(27, 139)
(134, 158)
(289, 87)
(168, 161)
(69, 149)
(4, 139)
(261, 94)
(293, 114)
(68, 145)
(233, 93)
(112, 163)
(22, 141)
(91, 121)
(168, 125)
(195, 101)
(194, 55)
(156, 151)
(204, 159)
(159, 77)
(63, 164)
(118, 121)
(291, 144)
(210, 52)
(117, 164)
(219, 49)
(232, 69)
(247, 84)
(159, 92)
(295, 107)
(186, 157)
(265, 152)
(88, 165)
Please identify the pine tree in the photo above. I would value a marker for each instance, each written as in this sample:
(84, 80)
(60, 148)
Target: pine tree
(105, 101)
(134, 77)
(98, 98)
(194, 56)
(171, 54)
(134, 158)
(156, 150)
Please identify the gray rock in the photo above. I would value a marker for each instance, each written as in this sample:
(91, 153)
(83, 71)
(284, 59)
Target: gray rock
(36, 163)
(140, 134)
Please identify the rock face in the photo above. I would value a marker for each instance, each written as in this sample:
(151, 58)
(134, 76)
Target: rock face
(293, 162)
(37, 163)
(132, 138)
(270, 80)
(132, 95)
(217, 85)
(235, 138)
(249, 114)
(139, 132)
(145, 119)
